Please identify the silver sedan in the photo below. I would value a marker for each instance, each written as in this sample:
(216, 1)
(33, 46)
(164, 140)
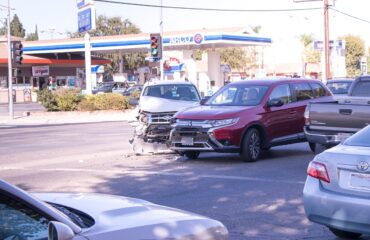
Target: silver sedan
(337, 190)
(61, 216)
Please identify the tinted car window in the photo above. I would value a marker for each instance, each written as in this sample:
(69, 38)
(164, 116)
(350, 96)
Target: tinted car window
(361, 138)
(20, 222)
(361, 89)
(318, 90)
(339, 87)
(302, 91)
(241, 95)
(282, 92)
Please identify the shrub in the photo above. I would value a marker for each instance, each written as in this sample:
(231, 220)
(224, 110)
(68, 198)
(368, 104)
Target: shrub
(68, 99)
(107, 101)
(48, 99)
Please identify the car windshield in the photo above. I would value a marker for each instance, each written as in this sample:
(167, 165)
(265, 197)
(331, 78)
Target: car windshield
(183, 92)
(238, 95)
(360, 139)
(339, 87)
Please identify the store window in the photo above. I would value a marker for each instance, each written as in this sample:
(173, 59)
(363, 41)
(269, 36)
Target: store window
(20, 80)
(3, 82)
(27, 80)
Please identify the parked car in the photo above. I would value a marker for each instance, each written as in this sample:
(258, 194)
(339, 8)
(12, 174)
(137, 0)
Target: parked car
(337, 190)
(104, 87)
(120, 87)
(246, 117)
(339, 87)
(72, 216)
(132, 89)
(159, 101)
(329, 123)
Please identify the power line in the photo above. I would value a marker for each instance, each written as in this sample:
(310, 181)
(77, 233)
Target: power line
(349, 15)
(209, 9)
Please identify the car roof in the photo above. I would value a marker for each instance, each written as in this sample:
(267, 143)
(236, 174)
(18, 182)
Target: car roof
(167, 82)
(340, 80)
(273, 81)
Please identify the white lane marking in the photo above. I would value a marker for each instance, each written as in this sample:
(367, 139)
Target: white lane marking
(158, 173)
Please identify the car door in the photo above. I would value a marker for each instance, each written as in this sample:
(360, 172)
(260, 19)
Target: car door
(302, 94)
(279, 120)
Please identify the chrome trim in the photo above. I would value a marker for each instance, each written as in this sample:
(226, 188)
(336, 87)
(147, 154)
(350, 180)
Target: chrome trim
(336, 129)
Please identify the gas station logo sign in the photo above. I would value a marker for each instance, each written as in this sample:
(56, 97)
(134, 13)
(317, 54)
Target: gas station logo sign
(197, 39)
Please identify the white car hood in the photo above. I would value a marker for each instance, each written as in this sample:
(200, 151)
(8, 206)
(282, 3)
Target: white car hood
(133, 219)
(156, 105)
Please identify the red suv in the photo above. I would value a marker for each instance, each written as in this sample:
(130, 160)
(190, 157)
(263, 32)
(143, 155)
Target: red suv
(246, 117)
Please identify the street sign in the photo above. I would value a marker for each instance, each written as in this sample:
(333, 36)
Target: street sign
(337, 44)
(83, 3)
(86, 19)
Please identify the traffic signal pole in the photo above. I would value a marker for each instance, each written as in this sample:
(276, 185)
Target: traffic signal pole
(10, 76)
(161, 44)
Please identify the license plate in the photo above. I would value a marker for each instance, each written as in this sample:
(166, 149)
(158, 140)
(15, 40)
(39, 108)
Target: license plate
(343, 136)
(188, 141)
(360, 181)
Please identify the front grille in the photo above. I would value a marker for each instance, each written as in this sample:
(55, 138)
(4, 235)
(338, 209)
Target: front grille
(160, 118)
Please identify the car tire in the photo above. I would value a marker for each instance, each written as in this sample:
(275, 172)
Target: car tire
(312, 146)
(192, 154)
(251, 146)
(345, 234)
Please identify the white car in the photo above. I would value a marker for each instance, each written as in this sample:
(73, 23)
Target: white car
(73, 216)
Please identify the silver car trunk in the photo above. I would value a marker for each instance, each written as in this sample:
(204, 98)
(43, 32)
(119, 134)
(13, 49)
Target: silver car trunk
(348, 169)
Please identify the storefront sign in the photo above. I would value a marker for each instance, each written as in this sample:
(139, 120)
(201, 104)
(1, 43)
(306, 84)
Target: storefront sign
(197, 39)
(40, 71)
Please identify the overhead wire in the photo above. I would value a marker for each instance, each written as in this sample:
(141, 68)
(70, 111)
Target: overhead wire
(349, 15)
(208, 9)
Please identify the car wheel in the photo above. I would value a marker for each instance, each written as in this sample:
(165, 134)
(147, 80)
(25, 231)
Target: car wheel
(192, 154)
(251, 147)
(345, 234)
(312, 146)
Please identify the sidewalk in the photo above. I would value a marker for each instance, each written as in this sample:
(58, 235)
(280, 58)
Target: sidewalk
(41, 118)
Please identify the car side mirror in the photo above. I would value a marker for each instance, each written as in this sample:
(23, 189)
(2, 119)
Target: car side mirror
(275, 102)
(204, 100)
(59, 231)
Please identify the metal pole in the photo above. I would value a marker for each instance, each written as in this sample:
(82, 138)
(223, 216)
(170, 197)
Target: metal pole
(10, 77)
(326, 41)
(161, 32)
(88, 63)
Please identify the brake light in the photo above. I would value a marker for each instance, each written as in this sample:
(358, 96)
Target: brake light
(307, 115)
(318, 170)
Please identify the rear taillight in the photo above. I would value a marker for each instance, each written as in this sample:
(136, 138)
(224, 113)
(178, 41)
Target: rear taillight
(307, 115)
(318, 170)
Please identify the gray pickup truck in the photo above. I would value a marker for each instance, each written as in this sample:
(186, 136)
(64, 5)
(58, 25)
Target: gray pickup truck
(329, 123)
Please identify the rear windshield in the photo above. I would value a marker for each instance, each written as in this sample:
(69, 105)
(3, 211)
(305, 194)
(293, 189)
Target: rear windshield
(182, 92)
(360, 139)
(238, 95)
(339, 87)
(361, 89)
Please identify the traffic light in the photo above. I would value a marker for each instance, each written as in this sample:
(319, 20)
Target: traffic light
(17, 53)
(155, 45)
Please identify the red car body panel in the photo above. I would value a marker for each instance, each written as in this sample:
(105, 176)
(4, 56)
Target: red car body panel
(275, 122)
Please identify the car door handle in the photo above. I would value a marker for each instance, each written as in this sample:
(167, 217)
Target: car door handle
(345, 111)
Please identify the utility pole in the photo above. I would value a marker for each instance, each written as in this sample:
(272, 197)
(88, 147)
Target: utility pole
(326, 41)
(10, 76)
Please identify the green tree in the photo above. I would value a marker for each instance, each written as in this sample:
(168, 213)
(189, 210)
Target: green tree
(309, 54)
(16, 28)
(33, 36)
(107, 26)
(355, 49)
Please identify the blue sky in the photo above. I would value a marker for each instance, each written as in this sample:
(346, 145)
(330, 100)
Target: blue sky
(61, 15)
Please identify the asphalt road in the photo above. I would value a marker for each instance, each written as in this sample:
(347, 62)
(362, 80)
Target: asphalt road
(261, 200)
(20, 108)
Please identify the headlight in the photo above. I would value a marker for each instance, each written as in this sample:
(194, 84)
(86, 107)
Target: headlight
(143, 118)
(223, 122)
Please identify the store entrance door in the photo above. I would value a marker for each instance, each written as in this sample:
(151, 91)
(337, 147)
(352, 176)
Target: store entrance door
(43, 83)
